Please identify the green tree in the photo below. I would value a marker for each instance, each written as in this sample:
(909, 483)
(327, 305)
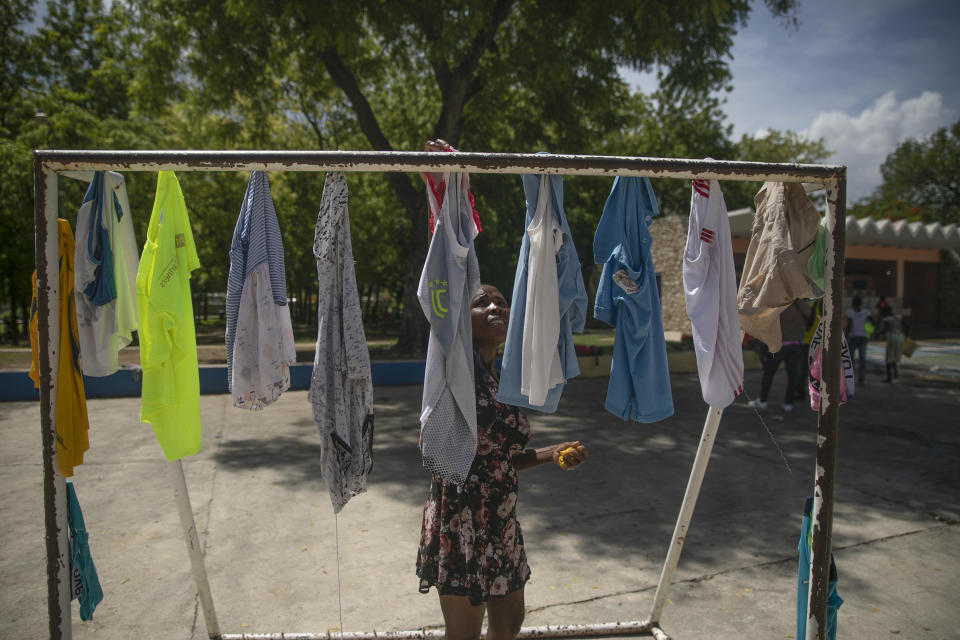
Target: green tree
(63, 86)
(773, 146)
(921, 180)
(504, 75)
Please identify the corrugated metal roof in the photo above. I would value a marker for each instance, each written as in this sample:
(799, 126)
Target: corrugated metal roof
(870, 232)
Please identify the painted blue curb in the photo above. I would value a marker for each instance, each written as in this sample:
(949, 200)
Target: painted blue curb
(17, 385)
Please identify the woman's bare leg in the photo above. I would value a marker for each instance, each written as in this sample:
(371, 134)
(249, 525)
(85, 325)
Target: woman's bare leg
(462, 620)
(505, 616)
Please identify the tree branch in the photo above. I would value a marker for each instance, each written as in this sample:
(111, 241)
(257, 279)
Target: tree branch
(413, 330)
(458, 86)
(347, 82)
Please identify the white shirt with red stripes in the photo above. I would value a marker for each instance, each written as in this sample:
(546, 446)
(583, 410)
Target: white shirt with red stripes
(710, 289)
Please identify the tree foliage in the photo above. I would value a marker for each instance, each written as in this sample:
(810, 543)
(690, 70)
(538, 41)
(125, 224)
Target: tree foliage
(505, 75)
(921, 180)
(497, 75)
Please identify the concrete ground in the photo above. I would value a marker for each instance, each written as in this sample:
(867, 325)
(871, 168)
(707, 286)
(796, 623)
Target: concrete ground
(596, 537)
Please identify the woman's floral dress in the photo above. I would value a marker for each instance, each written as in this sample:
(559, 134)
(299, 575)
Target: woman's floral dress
(471, 544)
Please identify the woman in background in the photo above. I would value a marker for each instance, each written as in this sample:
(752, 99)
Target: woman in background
(857, 335)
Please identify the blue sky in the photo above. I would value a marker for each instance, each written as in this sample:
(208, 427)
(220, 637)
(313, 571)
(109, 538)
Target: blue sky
(862, 75)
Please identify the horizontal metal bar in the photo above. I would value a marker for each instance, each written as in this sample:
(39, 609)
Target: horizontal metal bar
(511, 163)
(546, 631)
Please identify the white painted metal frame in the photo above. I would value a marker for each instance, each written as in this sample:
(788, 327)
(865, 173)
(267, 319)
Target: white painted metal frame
(48, 164)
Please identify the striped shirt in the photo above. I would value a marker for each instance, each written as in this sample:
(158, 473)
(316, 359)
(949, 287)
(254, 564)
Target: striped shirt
(256, 240)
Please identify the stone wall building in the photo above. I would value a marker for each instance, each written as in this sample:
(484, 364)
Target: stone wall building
(669, 238)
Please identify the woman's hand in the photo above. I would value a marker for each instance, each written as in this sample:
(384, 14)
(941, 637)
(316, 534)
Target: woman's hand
(435, 145)
(438, 145)
(569, 455)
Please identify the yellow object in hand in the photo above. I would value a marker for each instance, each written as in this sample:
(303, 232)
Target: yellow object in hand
(561, 460)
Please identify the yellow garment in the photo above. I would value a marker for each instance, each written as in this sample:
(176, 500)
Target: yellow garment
(170, 398)
(71, 419)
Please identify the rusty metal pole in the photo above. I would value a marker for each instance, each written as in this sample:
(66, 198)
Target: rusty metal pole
(412, 161)
(823, 493)
(46, 244)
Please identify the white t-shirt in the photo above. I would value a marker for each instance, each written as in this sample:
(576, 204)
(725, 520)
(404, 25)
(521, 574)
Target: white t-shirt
(858, 322)
(710, 288)
(540, 358)
(104, 329)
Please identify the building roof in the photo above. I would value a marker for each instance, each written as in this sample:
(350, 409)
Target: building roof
(870, 232)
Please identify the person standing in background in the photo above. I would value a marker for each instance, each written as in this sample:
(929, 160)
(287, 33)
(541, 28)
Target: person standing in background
(893, 329)
(857, 336)
(794, 322)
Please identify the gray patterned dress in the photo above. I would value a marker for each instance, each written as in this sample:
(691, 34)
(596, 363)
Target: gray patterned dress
(341, 389)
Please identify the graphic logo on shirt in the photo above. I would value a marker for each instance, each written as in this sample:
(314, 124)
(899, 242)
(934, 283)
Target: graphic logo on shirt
(179, 241)
(435, 292)
(168, 272)
(625, 282)
(707, 235)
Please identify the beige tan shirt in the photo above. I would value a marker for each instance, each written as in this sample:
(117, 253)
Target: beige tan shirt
(775, 270)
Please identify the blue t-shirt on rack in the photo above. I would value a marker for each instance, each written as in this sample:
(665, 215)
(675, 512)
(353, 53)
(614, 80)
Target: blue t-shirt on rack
(627, 298)
(572, 303)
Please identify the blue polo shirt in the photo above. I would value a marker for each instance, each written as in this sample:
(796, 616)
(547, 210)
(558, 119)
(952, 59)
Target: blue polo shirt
(627, 298)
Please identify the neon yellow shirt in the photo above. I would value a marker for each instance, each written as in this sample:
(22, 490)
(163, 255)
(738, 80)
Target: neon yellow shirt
(170, 398)
(71, 419)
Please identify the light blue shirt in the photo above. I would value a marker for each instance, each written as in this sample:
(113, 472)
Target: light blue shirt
(627, 298)
(572, 307)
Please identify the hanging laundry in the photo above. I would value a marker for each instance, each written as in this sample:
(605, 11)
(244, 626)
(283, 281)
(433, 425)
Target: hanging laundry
(627, 298)
(549, 303)
(106, 260)
(259, 335)
(170, 396)
(815, 363)
(818, 256)
(803, 578)
(85, 582)
(450, 277)
(775, 271)
(341, 387)
(71, 421)
(435, 189)
(710, 289)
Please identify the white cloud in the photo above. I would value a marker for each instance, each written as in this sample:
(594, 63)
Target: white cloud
(863, 142)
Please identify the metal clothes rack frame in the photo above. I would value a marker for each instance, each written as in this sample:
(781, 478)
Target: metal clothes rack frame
(49, 164)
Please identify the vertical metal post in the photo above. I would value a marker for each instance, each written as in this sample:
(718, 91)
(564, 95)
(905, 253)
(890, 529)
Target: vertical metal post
(182, 498)
(823, 494)
(46, 243)
(710, 426)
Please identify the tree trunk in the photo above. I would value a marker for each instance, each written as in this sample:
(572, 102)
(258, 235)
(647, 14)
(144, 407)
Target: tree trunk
(414, 329)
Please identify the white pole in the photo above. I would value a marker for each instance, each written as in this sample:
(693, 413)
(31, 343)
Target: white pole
(179, 482)
(686, 511)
